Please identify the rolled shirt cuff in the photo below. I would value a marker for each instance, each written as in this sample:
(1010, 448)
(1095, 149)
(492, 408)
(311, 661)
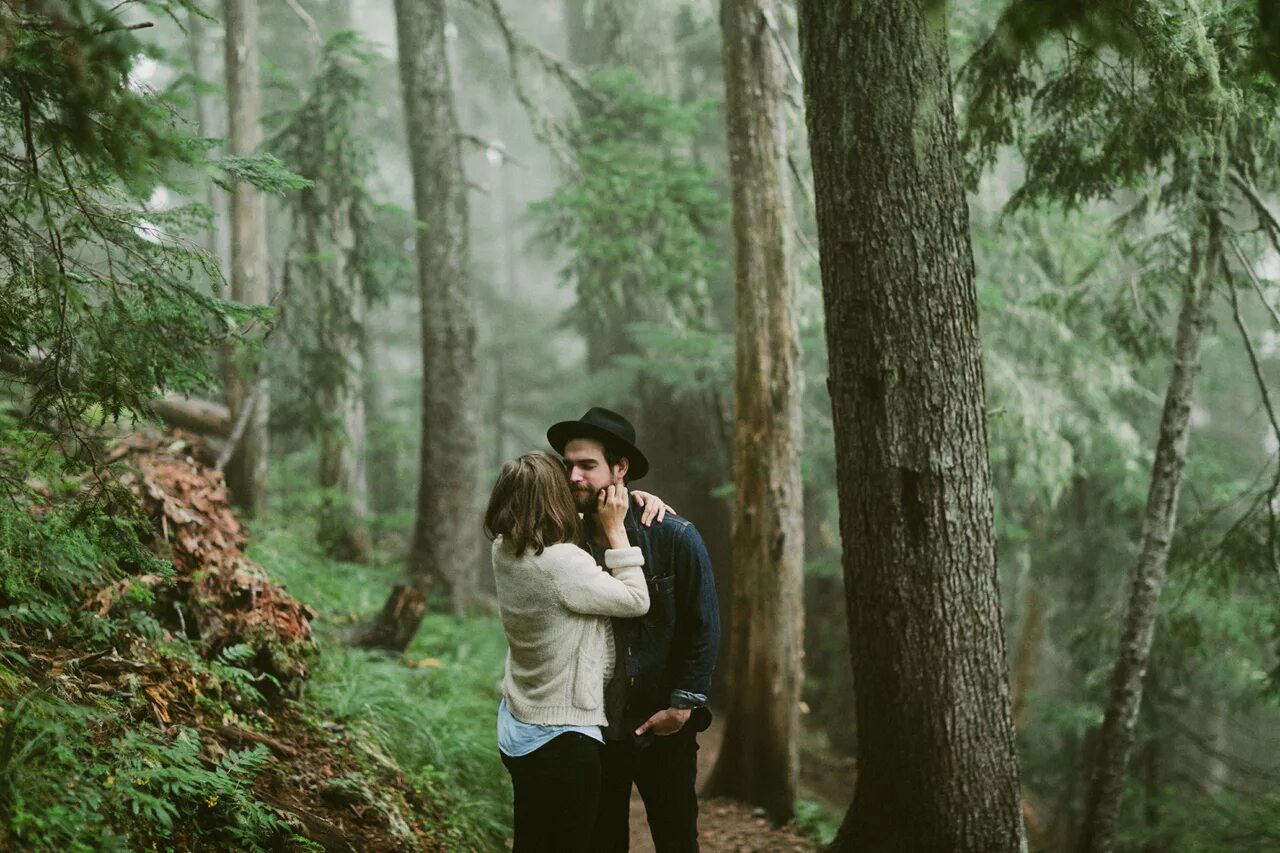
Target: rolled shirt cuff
(623, 558)
(685, 700)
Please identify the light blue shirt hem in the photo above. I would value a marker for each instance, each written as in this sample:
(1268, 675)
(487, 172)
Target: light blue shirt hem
(516, 738)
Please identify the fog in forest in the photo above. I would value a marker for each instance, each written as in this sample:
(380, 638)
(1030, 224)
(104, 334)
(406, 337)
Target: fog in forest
(951, 330)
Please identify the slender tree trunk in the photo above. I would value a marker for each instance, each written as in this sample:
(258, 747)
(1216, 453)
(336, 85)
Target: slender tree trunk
(246, 385)
(445, 547)
(380, 458)
(1026, 661)
(937, 768)
(1115, 742)
(1216, 772)
(198, 45)
(582, 40)
(342, 14)
(759, 760)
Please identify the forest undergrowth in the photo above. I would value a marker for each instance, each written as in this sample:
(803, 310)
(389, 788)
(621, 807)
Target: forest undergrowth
(160, 690)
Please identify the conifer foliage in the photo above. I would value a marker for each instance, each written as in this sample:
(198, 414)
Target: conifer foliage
(1168, 105)
(98, 312)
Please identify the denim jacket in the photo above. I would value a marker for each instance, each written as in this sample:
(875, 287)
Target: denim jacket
(670, 652)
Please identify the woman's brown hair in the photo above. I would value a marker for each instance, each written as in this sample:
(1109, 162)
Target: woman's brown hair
(531, 505)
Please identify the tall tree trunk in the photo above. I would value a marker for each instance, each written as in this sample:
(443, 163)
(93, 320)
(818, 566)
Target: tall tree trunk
(445, 549)
(246, 384)
(937, 767)
(1115, 742)
(759, 760)
(198, 52)
(1026, 660)
(380, 456)
(582, 40)
(1217, 720)
(344, 513)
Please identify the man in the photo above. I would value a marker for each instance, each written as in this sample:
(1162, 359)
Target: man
(657, 701)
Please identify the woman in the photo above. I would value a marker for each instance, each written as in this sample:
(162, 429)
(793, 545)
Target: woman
(555, 604)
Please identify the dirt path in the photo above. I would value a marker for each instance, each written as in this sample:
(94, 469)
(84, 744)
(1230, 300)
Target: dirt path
(724, 826)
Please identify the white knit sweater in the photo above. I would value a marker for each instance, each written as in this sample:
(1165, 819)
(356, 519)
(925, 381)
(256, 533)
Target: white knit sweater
(555, 608)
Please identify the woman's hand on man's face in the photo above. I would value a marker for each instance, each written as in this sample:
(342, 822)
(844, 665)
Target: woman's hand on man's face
(611, 506)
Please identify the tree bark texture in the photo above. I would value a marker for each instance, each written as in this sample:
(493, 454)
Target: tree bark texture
(446, 531)
(247, 470)
(937, 767)
(759, 760)
(1115, 741)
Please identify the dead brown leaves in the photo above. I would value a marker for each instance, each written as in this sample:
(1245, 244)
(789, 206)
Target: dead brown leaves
(224, 598)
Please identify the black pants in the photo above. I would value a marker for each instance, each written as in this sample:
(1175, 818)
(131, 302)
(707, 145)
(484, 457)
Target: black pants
(557, 787)
(664, 772)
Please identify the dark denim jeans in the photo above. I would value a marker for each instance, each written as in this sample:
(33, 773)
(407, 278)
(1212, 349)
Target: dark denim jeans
(664, 770)
(557, 788)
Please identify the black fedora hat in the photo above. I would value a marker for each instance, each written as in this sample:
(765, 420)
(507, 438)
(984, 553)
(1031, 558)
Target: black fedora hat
(610, 429)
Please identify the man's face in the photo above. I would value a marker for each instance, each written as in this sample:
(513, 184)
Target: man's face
(589, 472)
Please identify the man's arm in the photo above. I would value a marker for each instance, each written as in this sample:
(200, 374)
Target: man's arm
(697, 616)
(697, 634)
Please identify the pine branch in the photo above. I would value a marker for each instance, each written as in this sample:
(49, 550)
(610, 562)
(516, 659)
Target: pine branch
(787, 59)
(1267, 219)
(547, 130)
(1257, 285)
(124, 28)
(242, 422)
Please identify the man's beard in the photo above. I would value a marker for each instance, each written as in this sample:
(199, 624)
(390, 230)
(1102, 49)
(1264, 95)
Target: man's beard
(585, 500)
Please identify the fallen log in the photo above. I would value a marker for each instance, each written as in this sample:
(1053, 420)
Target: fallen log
(203, 417)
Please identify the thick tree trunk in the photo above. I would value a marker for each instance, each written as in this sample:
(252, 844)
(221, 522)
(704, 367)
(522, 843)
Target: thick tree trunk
(759, 760)
(937, 768)
(445, 537)
(1115, 741)
(247, 470)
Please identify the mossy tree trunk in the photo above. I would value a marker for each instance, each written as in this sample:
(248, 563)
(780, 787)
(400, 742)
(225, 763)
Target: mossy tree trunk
(937, 767)
(759, 759)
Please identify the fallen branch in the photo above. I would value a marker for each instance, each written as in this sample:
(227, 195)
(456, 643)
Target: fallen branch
(242, 421)
(237, 735)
